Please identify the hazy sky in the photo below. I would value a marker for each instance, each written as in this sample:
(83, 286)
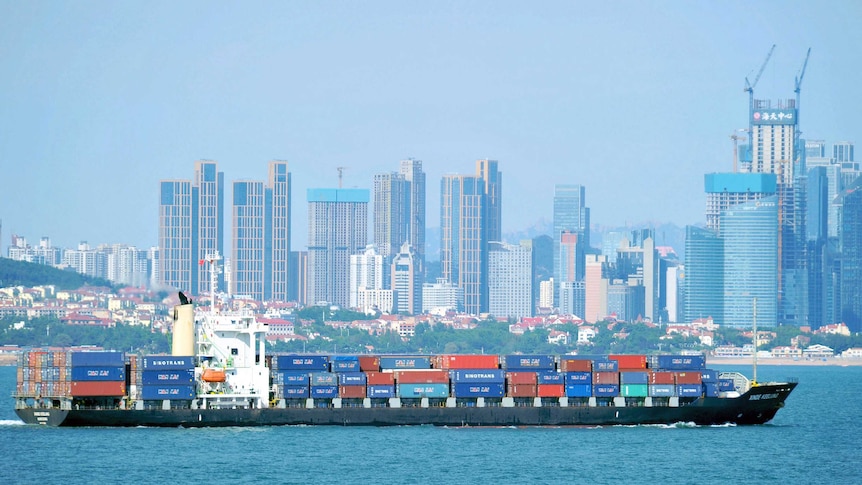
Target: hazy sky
(636, 100)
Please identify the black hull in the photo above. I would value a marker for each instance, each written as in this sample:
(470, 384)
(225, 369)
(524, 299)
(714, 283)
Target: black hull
(757, 406)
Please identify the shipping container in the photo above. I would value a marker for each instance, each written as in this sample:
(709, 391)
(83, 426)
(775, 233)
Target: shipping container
(725, 385)
(97, 359)
(574, 364)
(352, 379)
(454, 362)
(579, 390)
(529, 362)
(605, 366)
(351, 392)
(551, 390)
(689, 390)
(294, 378)
(469, 389)
(302, 362)
(522, 378)
(662, 390)
(97, 388)
(154, 393)
(550, 377)
(380, 378)
(323, 379)
(579, 378)
(606, 378)
(479, 375)
(629, 361)
(369, 363)
(167, 362)
(634, 377)
(709, 375)
(423, 390)
(381, 392)
(90, 374)
(710, 389)
(405, 362)
(151, 377)
(634, 390)
(345, 363)
(606, 390)
(295, 392)
(521, 390)
(324, 392)
(677, 362)
(427, 376)
(656, 377)
(688, 377)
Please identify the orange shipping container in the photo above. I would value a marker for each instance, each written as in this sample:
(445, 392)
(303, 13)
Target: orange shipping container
(380, 378)
(351, 392)
(457, 362)
(434, 376)
(518, 378)
(606, 378)
(98, 388)
(521, 390)
(688, 377)
(576, 365)
(661, 378)
(630, 361)
(551, 390)
(369, 364)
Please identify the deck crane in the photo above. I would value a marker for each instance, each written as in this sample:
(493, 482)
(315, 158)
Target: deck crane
(749, 87)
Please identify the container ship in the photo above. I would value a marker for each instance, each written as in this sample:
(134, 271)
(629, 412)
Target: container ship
(219, 374)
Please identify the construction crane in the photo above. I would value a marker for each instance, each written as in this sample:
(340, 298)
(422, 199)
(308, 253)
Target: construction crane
(749, 87)
(736, 138)
(340, 175)
(798, 87)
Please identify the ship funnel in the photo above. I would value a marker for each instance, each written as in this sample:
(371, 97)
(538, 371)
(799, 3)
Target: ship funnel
(183, 342)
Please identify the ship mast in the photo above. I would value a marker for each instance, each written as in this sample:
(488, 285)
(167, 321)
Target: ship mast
(754, 370)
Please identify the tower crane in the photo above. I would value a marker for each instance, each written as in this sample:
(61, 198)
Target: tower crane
(796, 88)
(749, 87)
(736, 139)
(340, 175)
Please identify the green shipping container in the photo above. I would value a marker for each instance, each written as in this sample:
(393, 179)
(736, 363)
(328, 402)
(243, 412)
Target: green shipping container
(634, 390)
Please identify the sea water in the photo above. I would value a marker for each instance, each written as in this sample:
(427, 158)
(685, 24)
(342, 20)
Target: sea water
(815, 439)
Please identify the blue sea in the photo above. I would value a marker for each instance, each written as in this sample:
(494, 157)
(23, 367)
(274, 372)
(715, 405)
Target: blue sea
(816, 438)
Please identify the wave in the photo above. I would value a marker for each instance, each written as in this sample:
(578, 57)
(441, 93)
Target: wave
(11, 422)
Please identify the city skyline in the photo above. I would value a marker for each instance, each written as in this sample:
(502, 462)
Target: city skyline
(103, 104)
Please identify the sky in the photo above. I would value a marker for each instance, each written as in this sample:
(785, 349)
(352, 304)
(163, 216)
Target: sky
(634, 100)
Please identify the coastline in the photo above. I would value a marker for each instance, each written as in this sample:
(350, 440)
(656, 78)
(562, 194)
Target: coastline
(710, 360)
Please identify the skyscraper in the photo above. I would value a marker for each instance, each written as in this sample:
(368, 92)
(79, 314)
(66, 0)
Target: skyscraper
(488, 171)
(412, 171)
(191, 227)
(463, 241)
(724, 190)
(851, 256)
(337, 228)
(391, 213)
(366, 271)
(260, 255)
(703, 275)
(406, 282)
(570, 214)
(510, 288)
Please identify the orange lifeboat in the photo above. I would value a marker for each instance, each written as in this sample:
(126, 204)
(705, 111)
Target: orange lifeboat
(213, 375)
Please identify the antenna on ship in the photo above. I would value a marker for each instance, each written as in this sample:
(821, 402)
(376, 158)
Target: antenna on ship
(213, 259)
(754, 322)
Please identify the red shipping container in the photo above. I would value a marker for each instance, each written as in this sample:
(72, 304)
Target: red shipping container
(630, 361)
(433, 376)
(551, 390)
(576, 365)
(522, 378)
(688, 377)
(98, 388)
(456, 362)
(661, 378)
(351, 392)
(380, 378)
(606, 378)
(369, 364)
(517, 390)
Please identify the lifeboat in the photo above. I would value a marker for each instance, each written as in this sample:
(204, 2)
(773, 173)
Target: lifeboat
(213, 375)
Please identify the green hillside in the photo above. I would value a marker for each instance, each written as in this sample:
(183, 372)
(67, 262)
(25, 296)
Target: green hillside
(20, 273)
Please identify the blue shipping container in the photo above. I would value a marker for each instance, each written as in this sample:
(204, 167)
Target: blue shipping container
(423, 390)
(167, 362)
(709, 375)
(606, 390)
(295, 392)
(167, 392)
(98, 359)
(405, 362)
(634, 377)
(294, 378)
(688, 390)
(324, 379)
(605, 366)
(725, 385)
(471, 389)
(579, 390)
(324, 392)
(352, 379)
(380, 391)
(662, 390)
(478, 375)
(302, 362)
(529, 362)
(677, 362)
(710, 389)
(551, 377)
(156, 377)
(579, 378)
(345, 366)
(94, 374)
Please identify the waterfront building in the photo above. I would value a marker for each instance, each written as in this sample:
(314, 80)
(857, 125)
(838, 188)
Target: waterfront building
(851, 256)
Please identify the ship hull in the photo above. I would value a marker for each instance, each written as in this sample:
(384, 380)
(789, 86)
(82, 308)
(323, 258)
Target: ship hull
(757, 406)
